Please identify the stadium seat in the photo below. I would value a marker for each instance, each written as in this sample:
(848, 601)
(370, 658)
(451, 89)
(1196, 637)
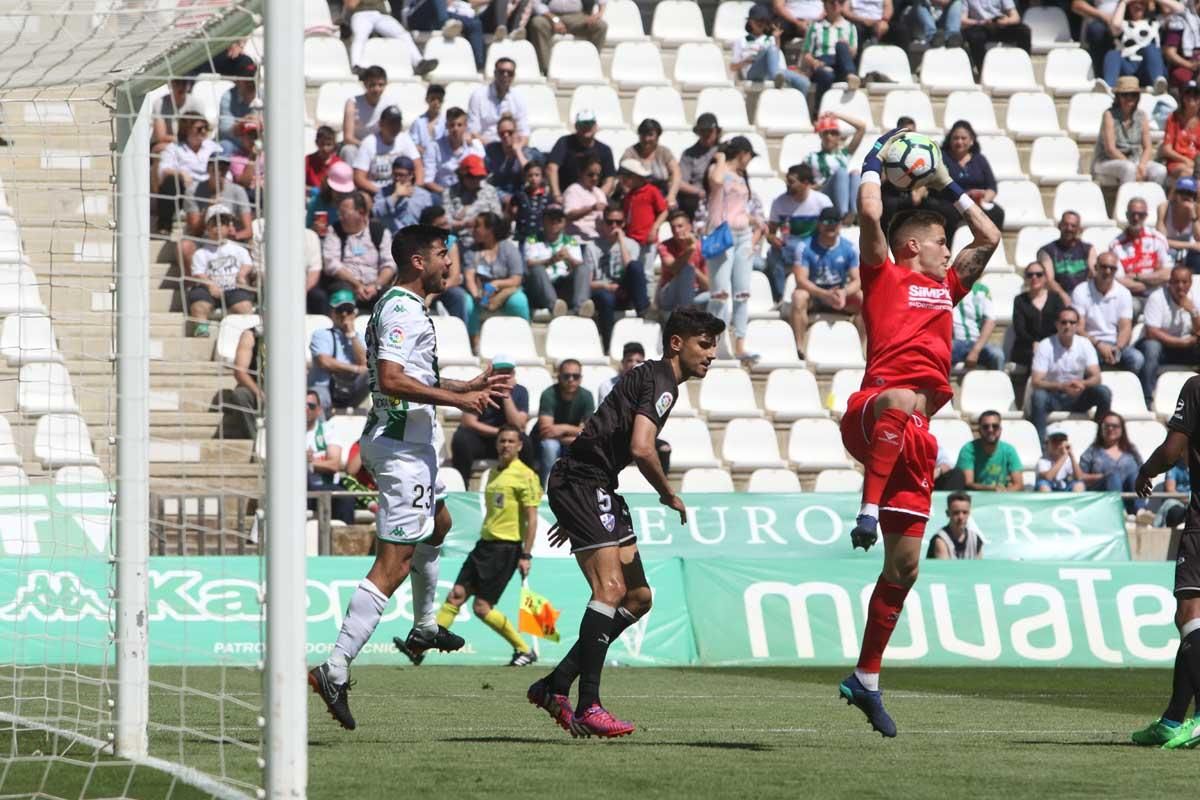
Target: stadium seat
(701, 65)
(635, 329)
(987, 390)
(325, 59)
(604, 101)
(1031, 114)
(793, 394)
(1029, 241)
(1022, 204)
(1049, 30)
(767, 189)
(1055, 159)
(393, 59)
(9, 454)
(208, 91)
(462, 372)
(535, 380)
(1083, 115)
(998, 263)
(683, 405)
(574, 337)
(751, 444)
(452, 479)
(618, 139)
(458, 93)
(637, 64)
(888, 60)
(344, 430)
(594, 375)
(28, 339)
(456, 60)
(833, 347)
(1127, 399)
(774, 343)
(454, 346)
(782, 111)
(817, 444)
(410, 97)
(67, 477)
(1100, 236)
(727, 393)
(706, 480)
(1004, 288)
(795, 148)
(544, 139)
(522, 54)
(730, 22)
(845, 383)
(975, 107)
(331, 102)
(1007, 70)
(1001, 153)
(1149, 191)
(624, 21)
(773, 481)
(1166, 392)
(661, 103)
(838, 480)
(852, 104)
(951, 435)
(678, 21)
(1080, 433)
(1021, 434)
(511, 336)
(542, 105)
(228, 333)
(762, 304)
(631, 481)
(1068, 71)
(575, 63)
(691, 446)
(728, 105)
(1146, 435)
(1082, 197)
(913, 103)
(316, 14)
(944, 69)
(62, 440)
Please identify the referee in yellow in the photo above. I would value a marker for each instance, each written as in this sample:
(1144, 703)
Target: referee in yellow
(512, 495)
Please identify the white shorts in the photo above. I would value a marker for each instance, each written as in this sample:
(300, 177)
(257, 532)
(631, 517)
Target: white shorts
(406, 475)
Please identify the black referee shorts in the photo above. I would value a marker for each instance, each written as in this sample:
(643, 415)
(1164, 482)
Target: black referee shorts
(592, 516)
(488, 569)
(1187, 563)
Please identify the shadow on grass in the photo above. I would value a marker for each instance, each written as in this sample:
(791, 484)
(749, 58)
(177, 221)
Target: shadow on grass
(1060, 743)
(753, 747)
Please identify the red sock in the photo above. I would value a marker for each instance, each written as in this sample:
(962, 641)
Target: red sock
(886, 441)
(887, 601)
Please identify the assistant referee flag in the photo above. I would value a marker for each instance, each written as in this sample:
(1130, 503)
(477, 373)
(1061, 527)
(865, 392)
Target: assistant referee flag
(537, 616)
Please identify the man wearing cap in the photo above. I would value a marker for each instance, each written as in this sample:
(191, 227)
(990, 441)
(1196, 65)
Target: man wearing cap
(373, 162)
(1172, 331)
(1177, 218)
(826, 270)
(1058, 470)
(236, 104)
(200, 197)
(358, 252)
(832, 172)
(693, 166)
(583, 19)
(443, 157)
(645, 207)
(556, 275)
(475, 437)
(1143, 255)
(468, 198)
(222, 272)
(562, 166)
(399, 203)
(488, 103)
(792, 220)
(1065, 374)
(339, 357)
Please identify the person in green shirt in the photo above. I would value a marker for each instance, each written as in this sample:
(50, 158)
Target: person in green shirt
(562, 411)
(988, 464)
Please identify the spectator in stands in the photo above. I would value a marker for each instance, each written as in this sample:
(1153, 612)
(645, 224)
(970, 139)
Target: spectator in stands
(562, 166)
(1065, 375)
(442, 159)
(1181, 145)
(872, 18)
(729, 271)
(1106, 308)
(373, 16)
(338, 374)
(455, 298)
(1058, 470)
(693, 166)
(506, 158)
(1179, 222)
(584, 202)
(166, 112)
(246, 165)
(489, 103)
(529, 204)
(240, 405)
(236, 105)
(972, 171)
(1181, 47)
(494, 273)
(645, 207)
(431, 125)
(222, 272)
(475, 437)
(1172, 328)
(358, 252)
(830, 49)
(562, 410)
(632, 355)
(1135, 51)
(227, 63)
(947, 477)
(1112, 462)
(989, 464)
(1068, 261)
(618, 274)
(1143, 254)
(1094, 35)
(360, 117)
(956, 541)
(556, 276)
(324, 461)
(583, 19)
(974, 322)
(1172, 512)
(1035, 311)
(182, 164)
(318, 162)
(992, 21)
(373, 161)
(1123, 150)
(795, 16)
(826, 272)
(792, 220)
(759, 56)
(937, 23)
(324, 201)
(198, 199)
(400, 201)
(683, 272)
(453, 19)
(834, 175)
(316, 299)
(657, 158)
(469, 197)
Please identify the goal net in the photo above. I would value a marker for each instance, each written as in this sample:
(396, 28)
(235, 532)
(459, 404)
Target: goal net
(131, 605)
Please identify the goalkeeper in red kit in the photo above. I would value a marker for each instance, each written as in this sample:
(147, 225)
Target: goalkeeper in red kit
(907, 307)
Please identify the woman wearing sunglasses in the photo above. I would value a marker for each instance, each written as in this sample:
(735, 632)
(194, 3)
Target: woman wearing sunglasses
(1034, 313)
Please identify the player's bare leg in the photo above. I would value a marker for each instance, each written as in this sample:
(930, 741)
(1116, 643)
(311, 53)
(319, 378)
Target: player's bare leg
(901, 559)
(892, 410)
(426, 633)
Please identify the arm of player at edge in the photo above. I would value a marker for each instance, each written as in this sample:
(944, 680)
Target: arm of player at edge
(1162, 459)
(645, 455)
(872, 238)
(479, 393)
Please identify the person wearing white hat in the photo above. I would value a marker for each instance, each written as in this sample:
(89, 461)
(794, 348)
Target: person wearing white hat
(222, 272)
(562, 165)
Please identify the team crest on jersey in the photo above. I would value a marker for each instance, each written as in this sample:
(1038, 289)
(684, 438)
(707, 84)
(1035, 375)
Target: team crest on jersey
(395, 336)
(664, 403)
(608, 521)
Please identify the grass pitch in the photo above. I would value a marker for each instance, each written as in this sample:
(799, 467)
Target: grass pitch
(462, 732)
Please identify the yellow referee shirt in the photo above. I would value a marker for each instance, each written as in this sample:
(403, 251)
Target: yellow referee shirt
(508, 491)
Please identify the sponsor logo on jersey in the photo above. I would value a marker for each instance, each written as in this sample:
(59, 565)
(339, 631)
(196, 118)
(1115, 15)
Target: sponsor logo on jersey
(664, 402)
(395, 336)
(933, 297)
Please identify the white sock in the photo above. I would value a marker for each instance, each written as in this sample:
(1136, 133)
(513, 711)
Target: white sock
(869, 680)
(362, 617)
(871, 510)
(424, 576)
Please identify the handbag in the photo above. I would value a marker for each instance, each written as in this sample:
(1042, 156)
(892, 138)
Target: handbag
(717, 242)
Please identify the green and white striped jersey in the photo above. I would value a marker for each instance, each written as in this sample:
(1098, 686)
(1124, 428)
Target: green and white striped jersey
(823, 37)
(400, 330)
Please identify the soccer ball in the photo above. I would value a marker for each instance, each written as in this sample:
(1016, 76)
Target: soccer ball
(909, 158)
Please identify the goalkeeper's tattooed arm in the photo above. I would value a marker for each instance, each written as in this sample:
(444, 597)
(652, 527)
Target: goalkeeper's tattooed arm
(971, 262)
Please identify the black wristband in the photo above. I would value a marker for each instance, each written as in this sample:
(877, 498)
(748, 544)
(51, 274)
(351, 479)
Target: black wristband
(528, 556)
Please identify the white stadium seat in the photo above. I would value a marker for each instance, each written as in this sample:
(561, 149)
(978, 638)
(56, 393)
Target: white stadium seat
(699, 65)
(1049, 30)
(1030, 115)
(1166, 392)
(11, 251)
(773, 481)
(624, 20)
(987, 390)
(793, 394)
(1127, 399)
(316, 14)
(574, 63)
(325, 59)
(762, 304)
(1021, 434)
(833, 347)
(1149, 191)
(975, 107)
(845, 383)
(631, 481)
(1022, 204)
(1146, 435)
(1001, 153)
(1084, 198)
(773, 341)
(394, 60)
(458, 93)
(1007, 70)
(456, 60)
(208, 91)
(331, 102)
(452, 479)
(75, 476)
(913, 103)
(410, 97)
(730, 22)
(1081, 433)
(661, 103)
(728, 105)
(1004, 289)
(62, 440)
(683, 404)
(677, 21)
(635, 329)
(544, 139)
(706, 480)
(782, 111)
(1100, 236)
(951, 435)
(542, 106)
(727, 393)
(344, 430)
(462, 372)
(604, 101)
(691, 446)
(1055, 159)
(594, 375)
(511, 336)
(535, 380)
(637, 64)
(997, 263)
(889, 60)
(230, 331)
(1083, 115)
(618, 139)
(795, 148)
(1029, 241)
(1068, 71)
(944, 69)
(767, 189)
(28, 339)
(454, 345)
(751, 444)
(838, 480)
(852, 104)
(9, 454)
(522, 54)
(816, 444)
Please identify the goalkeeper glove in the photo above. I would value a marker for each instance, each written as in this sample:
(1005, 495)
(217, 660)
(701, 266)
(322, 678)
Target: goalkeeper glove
(872, 162)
